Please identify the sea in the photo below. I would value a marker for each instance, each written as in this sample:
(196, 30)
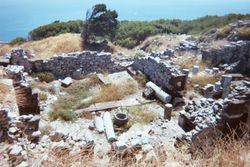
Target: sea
(19, 17)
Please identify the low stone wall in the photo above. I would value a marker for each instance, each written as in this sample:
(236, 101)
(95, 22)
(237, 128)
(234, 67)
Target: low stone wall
(63, 66)
(236, 55)
(4, 125)
(162, 73)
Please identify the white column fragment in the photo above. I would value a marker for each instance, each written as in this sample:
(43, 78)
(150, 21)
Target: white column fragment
(163, 96)
(99, 124)
(109, 129)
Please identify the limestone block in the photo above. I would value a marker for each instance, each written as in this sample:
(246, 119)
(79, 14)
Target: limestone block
(109, 129)
(163, 96)
(99, 124)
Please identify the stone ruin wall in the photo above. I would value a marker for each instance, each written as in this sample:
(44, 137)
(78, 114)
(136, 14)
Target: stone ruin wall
(236, 55)
(161, 73)
(204, 118)
(63, 66)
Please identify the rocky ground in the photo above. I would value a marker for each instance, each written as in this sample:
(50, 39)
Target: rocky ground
(100, 109)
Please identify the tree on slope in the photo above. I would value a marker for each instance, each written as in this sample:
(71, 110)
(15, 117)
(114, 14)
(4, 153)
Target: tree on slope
(100, 24)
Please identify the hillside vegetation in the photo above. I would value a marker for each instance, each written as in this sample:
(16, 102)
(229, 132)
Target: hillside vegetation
(132, 33)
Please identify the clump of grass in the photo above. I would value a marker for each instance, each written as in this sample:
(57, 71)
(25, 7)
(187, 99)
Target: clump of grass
(139, 114)
(114, 92)
(64, 107)
(245, 33)
(42, 96)
(44, 76)
(139, 54)
(224, 32)
(62, 115)
(202, 80)
(45, 130)
(227, 152)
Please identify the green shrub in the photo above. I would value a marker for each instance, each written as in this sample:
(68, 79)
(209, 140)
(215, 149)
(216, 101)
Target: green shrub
(62, 115)
(18, 41)
(44, 76)
(56, 28)
(42, 96)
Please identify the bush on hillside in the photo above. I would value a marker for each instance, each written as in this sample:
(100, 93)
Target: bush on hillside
(56, 28)
(18, 41)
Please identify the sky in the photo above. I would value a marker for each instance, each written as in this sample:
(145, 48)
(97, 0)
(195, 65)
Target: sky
(18, 17)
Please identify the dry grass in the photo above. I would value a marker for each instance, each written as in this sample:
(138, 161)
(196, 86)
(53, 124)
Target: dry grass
(114, 92)
(186, 60)
(64, 107)
(4, 89)
(224, 32)
(48, 47)
(227, 152)
(202, 80)
(218, 44)
(62, 158)
(161, 42)
(245, 33)
(141, 79)
(5, 49)
(139, 114)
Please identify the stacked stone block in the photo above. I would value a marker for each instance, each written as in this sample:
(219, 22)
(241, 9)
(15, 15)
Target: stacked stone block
(162, 73)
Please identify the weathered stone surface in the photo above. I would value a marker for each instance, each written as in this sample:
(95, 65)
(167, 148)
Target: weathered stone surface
(66, 65)
(208, 90)
(200, 114)
(4, 124)
(168, 111)
(236, 54)
(120, 118)
(148, 93)
(163, 96)
(162, 73)
(99, 124)
(66, 82)
(109, 129)
(195, 70)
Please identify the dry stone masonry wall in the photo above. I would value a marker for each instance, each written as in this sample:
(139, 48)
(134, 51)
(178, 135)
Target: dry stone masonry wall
(235, 57)
(162, 73)
(66, 65)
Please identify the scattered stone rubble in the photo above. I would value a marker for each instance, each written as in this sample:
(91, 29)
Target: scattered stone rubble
(207, 117)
